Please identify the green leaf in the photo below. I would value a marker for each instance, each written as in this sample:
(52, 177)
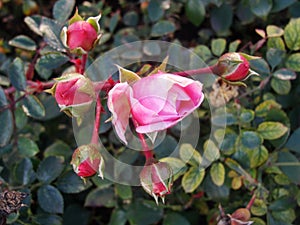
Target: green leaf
(271, 130)
(178, 166)
(118, 217)
(293, 61)
(190, 155)
(218, 46)
(250, 139)
(100, 197)
(155, 11)
(221, 19)
(192, 179)
(275, 57)
(127, 75)
(274, 31)
(173, 218)
(228, 143)
(217, 193)
(233, 46)
(49, 169)
(285, 74)
(246, 116)
(261, 8)
(162, 27)
(141, 212)
(259, 207)
(16, 74)
(203, 52)
(195, 11)
(50, 199)
(294, 141)
(258, 156)
(33, 107)
(279, 5)
(217, 173)
(48, 219)
(131, 18)
(151, 49)
(263, 108)
(27, 147)
(58, 148)
(290, 166)
(23, 172)
(113, 22)
(6, 128)
(281, 87)
(292, 34)
(62, 9)
(123, 191)
(23, 42)
(261, 67)
(52, 61)
(70, 183)
(76, 214)
(277, 43)
(211, 152)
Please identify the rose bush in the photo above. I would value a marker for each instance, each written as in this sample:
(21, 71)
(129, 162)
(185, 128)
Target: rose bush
(155, 103)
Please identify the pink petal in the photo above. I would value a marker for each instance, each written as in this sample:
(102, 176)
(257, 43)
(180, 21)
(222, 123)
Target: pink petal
(119, 106)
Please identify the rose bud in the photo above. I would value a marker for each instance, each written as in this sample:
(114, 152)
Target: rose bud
(233, 67)
(241, 216)
(74, 94)
(156, 179)
(81, 36)
(87, 161)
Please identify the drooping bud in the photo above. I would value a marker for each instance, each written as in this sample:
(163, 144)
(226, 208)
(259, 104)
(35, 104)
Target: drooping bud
(74, 94)
(81, 36)
(233, 67)
(241, 216)
(156, 179)
(87, 161)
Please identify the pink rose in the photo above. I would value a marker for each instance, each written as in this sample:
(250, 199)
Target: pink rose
(155, 103)
(156, 179)
(81, 36)
(87, 161)
(74, 93)
(233, 67)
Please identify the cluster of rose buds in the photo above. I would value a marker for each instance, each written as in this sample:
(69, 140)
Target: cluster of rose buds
(153, 103)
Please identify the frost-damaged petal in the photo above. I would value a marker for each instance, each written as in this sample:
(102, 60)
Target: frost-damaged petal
(119, 106)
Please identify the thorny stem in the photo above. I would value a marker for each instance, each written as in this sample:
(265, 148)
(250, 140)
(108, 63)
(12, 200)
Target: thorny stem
(200, 71)
(251, 202)
(83, 63)
(95, 136)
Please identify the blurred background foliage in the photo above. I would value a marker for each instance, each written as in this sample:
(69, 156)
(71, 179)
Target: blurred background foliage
(258, 156)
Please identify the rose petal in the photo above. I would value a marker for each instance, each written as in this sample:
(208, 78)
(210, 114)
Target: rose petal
(119, 106)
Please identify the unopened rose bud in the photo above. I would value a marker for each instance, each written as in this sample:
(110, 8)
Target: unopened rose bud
(87, 161)
(241, 216)
(156, 179)
(233, 67)
(81, 36)
(74, 94)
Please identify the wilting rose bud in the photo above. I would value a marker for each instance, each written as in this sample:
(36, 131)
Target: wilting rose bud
(156, 179)
(87, 161)
(233, 67)
(74, 93)
(241, 216)
(81, 36)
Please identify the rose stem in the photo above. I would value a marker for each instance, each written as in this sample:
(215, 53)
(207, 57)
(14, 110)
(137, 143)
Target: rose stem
(83, 62)
(200, 71)
(251, 202)
(97, 121)
(148, 153)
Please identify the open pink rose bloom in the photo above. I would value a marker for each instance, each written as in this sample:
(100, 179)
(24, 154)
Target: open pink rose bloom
(155, 103)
